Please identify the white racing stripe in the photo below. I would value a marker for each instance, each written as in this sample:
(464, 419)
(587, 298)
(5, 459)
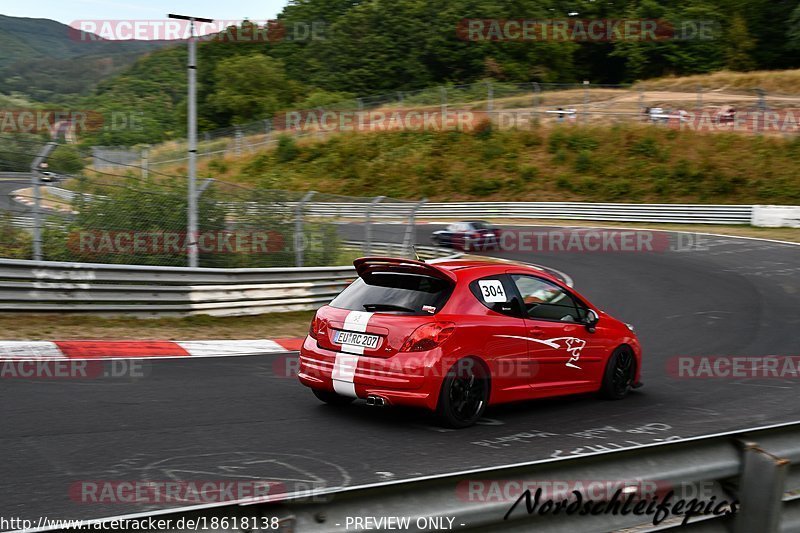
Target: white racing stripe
(344, 368)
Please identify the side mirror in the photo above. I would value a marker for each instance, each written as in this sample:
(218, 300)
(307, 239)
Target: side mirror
(591, 320)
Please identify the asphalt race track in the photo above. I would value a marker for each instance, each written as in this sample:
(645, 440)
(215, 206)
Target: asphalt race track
(234, 418)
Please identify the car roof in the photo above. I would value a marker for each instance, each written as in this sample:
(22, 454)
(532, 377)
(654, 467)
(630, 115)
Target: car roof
(463, 269)
(477, 266)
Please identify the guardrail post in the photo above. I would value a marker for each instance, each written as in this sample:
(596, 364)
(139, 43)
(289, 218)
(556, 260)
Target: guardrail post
(238, 140)
(585, 101)
(761, 487)
(37, 197)
(537, 91)
(762, 108)
(408, 239)
(368, 225)
(699, 99)
(299, 244)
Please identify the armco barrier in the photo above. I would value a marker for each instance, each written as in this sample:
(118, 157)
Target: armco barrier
(103, 289)
(662, 213)
(619, 212)
(51, 286)
(756, 469)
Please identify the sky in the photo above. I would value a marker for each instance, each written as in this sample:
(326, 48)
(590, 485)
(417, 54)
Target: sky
(66, 11)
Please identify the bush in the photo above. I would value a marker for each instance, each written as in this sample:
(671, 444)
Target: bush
(617, 189)
(530, 138)
(528, 172)
(583, 163)
(564, 182)
(483, 129)
(483, 187)
(15, 243)
(646, 147)
(287, 149)
(218, 164)
(580, 141)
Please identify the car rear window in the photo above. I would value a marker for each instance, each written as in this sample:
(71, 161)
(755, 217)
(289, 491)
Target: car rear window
(389, 292)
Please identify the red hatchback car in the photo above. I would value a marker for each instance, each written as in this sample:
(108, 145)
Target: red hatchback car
(454, 336)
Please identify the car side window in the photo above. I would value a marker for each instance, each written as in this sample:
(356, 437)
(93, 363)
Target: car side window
(498, 294)
(543, 300)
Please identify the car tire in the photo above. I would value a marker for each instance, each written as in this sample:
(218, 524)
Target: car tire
(464, 394)
(332, 398)
(619, 374)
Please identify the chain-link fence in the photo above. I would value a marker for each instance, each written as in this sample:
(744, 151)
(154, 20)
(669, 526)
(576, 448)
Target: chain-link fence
(509, 105)
(141, 218)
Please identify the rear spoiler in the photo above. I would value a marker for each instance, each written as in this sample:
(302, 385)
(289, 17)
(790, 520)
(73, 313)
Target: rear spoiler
(370, 265)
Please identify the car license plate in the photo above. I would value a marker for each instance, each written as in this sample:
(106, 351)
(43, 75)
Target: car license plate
(350, 338)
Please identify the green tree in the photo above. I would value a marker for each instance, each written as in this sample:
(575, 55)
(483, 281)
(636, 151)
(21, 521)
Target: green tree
(739, 45)
(793, 34)
(251, 87)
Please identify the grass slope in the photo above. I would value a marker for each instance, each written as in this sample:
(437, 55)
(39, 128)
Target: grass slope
(633, 163)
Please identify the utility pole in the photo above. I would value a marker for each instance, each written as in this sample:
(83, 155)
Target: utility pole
(191, 227)
(36, 167)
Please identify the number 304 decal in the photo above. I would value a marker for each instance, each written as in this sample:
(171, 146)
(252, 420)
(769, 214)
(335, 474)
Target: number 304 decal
(492, 290)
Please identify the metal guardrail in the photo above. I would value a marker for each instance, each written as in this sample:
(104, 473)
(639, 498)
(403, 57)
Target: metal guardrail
(15, 175)
(62, 194)
(669, 213)
(52, 286)
(757, 469)
(620, 212)
(32, 286)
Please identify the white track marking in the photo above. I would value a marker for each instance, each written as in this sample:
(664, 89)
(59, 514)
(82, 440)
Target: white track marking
(30, 350)
(221, 348)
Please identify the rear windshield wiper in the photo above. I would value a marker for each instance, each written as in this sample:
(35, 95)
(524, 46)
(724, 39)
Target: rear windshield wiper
(388, 307)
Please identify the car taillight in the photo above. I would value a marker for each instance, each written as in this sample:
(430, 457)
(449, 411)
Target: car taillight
(318, 327)
(312, 329)
(428, 336)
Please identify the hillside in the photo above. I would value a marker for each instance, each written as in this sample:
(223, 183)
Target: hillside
(44, 61)
(631, 163)
(379, 47)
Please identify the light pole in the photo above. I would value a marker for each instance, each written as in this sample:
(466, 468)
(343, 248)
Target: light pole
(191, 226)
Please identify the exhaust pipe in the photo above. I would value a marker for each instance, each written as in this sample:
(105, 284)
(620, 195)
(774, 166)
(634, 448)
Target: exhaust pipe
(376, 401)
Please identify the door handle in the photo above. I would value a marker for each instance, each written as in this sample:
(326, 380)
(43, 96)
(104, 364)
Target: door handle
(536, 331)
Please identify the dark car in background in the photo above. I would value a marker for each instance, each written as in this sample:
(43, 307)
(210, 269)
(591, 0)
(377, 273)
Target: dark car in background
(467, 235)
